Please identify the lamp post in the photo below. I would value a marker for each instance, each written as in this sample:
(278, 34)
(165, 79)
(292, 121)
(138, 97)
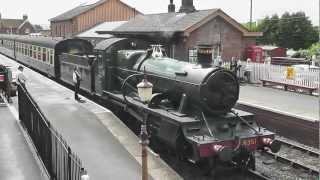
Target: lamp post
(145, 95)
(250, 15)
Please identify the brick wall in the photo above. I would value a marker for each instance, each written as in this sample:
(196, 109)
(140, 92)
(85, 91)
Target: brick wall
(216, 30)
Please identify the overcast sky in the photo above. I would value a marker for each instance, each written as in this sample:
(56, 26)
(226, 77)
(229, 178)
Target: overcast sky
(39, 11)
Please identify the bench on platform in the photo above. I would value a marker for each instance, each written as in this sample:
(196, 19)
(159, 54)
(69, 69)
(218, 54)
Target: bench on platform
(288, 85)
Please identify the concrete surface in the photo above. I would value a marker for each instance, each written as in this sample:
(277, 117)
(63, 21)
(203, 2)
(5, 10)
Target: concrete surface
(291, 103)
(16, 159)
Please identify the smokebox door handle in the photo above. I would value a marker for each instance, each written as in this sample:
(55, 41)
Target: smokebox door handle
(181, 73)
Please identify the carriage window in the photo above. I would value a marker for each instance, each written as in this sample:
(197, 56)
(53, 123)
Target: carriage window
(51, 58)
(25, 49)
(34, 52)
(30, 50)
(44, 54)
(39, 53)
(48, 56)
(22, 48)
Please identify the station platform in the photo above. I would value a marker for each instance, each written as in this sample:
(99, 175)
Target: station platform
(289, 103)
(17, 162)
(106, 147)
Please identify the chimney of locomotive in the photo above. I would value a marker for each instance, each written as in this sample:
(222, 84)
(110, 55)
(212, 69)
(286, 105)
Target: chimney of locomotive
(171, 7)
(187, 6)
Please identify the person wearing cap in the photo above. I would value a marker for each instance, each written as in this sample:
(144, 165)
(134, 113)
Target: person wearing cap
(248, 70)
(76, 80)
(21, 77)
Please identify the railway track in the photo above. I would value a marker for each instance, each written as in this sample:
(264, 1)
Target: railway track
(295, 128)
(294, 161)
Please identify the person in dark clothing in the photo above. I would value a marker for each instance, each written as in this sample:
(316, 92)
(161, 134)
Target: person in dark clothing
(76, 81)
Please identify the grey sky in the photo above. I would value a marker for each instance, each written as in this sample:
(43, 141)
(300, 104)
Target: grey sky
(39, 11)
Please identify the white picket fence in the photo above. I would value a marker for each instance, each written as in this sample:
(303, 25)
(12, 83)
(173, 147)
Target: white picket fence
(307, 77)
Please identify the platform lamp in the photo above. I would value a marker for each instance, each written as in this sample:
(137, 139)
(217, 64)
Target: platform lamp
(84, 174)
(145, 95)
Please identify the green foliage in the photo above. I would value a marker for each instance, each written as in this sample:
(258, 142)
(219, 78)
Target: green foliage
(270, 28)
(314, 49)
(253, 28)
(290, 31)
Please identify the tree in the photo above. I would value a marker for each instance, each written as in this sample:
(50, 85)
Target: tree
(290, 31)
(269, 27)
(296, 31)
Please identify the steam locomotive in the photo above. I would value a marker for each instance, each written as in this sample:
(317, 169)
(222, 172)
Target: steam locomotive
(191, 110)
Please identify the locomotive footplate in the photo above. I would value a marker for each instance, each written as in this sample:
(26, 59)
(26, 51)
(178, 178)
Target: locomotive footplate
(228, 137)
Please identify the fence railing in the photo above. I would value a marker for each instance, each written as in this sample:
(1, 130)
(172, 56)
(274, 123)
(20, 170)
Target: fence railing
(60, 162)
(303, 77)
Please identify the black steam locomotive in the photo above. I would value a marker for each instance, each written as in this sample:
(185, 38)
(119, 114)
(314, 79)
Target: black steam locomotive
(191, 110)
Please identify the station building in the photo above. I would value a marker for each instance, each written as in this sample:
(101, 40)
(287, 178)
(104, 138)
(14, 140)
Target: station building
(16, 26)
(84, 17)
(183, 31)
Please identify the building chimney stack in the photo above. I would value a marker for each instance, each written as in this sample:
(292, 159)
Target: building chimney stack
(171, 7)
(25, 17)
(187, 6)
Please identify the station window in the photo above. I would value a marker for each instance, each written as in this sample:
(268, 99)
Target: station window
(193, 55)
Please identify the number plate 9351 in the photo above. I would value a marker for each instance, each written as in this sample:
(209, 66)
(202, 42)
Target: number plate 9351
(249, 142)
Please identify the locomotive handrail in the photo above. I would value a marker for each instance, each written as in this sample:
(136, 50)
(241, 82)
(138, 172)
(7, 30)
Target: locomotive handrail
(124, 85)
(246, 122)
(163, 77)
(206, 122)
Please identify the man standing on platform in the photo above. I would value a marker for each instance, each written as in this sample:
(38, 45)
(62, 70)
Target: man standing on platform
(76, 81)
